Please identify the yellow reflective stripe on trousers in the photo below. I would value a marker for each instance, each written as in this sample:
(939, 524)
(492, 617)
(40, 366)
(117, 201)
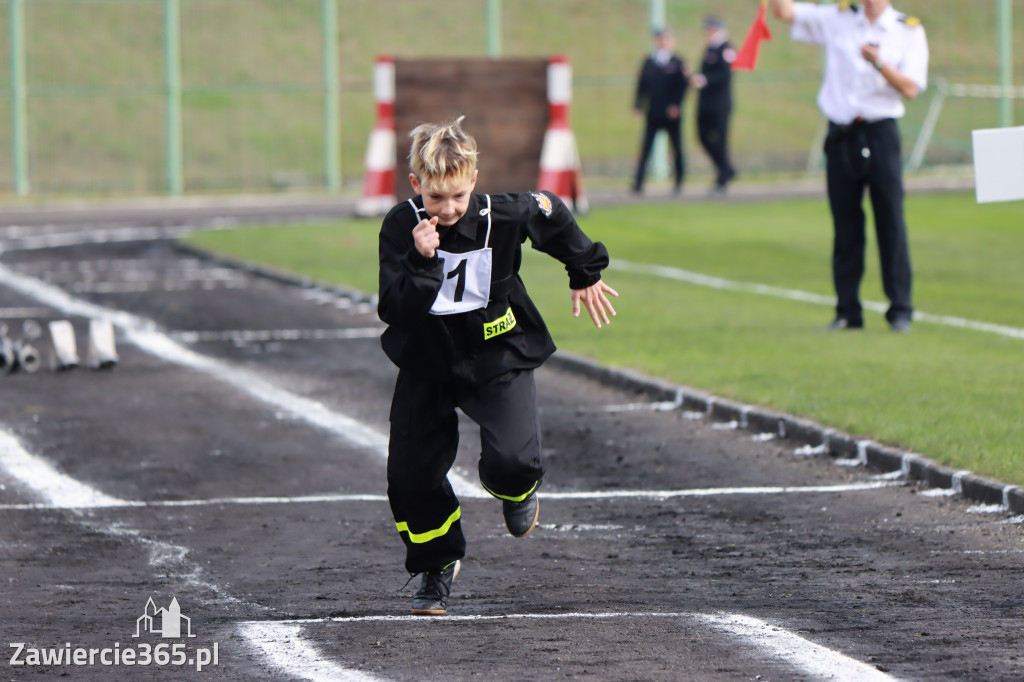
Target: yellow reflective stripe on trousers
(513, 499)
(420, 538)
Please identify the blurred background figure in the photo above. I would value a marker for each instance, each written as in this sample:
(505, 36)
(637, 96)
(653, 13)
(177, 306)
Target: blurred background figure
(660, 90)
(714, 103)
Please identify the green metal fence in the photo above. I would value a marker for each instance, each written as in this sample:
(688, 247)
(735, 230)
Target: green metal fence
(172, 96)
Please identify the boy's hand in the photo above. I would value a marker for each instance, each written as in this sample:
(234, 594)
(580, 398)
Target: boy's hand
(595, 301)
(426, 237)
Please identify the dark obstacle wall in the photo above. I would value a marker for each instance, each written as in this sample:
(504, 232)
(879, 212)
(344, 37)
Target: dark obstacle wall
(506, 108)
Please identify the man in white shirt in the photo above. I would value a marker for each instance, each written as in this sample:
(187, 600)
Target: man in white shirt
(875, 57)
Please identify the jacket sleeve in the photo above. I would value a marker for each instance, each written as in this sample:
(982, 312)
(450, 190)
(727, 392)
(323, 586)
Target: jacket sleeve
(553, 230)
(643, 90)
(408, 282)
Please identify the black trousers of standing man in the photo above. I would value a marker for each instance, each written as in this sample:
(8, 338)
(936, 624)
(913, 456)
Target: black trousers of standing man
(672, 126)
(867, 154)
(423, 445)
(713, 131)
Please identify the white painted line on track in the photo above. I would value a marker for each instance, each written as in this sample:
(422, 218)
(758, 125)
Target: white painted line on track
(212, 502)
(144, 334)
(283, 647)
(722, 284)
(29, 238)
(814, 659)
(58, 490)
(260, 335)
(44, 478)
(710, 492)
(782, 645)
(7, 313)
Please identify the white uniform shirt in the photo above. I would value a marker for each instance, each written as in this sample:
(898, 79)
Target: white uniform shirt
(852, 87)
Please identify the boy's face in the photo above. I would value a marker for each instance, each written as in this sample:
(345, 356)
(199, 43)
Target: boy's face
(448, 205)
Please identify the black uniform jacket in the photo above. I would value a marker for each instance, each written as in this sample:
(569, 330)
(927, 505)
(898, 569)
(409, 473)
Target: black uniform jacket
(475, 346)
(716, 95)
(660, 87)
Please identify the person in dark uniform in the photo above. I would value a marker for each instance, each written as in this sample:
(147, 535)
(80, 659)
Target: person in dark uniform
(714, 103)
(875, 58)
(465, 334)
(660, 90)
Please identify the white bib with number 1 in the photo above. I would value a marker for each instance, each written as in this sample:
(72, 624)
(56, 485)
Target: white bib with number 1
(466, 283)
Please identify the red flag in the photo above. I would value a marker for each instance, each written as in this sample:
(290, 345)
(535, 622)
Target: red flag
(746, 58)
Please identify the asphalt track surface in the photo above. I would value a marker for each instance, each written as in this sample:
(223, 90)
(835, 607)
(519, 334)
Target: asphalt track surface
(233, 461)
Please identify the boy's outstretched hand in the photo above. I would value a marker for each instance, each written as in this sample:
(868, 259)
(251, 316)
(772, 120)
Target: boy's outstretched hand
(595, 301)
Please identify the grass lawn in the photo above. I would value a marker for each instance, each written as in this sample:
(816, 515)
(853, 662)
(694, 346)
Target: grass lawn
(953, 395)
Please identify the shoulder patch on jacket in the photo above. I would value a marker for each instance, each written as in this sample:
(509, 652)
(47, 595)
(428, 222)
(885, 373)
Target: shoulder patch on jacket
(544, 202)
(910, 22)
(851, 6)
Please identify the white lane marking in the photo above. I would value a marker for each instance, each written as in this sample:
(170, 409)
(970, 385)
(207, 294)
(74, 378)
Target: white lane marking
(723, 284)
(100, 501)
(260, 335)
(164, 286)
(212, 502)
(29, 239)
(710, 492)
(283, 647)
(7, 313)
(59, 490)
(814, 659)
(662, 406)
(143, 334)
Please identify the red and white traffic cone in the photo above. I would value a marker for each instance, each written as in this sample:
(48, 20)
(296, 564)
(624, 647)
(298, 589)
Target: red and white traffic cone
(560, 170)
(379, 177)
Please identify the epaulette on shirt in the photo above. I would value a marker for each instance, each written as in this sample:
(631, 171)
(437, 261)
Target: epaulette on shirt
(851, 6)
(910, 22)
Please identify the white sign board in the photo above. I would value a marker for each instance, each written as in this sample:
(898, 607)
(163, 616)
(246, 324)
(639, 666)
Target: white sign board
(999, 164)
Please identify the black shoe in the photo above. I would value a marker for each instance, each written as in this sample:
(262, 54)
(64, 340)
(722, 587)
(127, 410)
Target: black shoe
(432, 597)
(841, 323)
(901, 325)
(521, 517)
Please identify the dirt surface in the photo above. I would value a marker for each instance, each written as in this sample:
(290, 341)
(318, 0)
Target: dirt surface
(252, 427)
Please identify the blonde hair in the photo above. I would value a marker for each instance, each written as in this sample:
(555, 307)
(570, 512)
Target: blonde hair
(442, 154)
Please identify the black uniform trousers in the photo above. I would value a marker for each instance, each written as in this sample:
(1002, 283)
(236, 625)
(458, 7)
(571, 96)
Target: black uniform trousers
(868, 155)
(423, 445)
(713, 132)
(672, 126)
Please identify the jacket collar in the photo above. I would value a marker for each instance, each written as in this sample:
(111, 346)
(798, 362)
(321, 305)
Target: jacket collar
(467, 225)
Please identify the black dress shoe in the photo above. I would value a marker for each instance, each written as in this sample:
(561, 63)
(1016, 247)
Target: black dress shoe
(841, 323)
(901, 325)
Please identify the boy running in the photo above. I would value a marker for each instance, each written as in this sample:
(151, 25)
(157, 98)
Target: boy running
(465, 334)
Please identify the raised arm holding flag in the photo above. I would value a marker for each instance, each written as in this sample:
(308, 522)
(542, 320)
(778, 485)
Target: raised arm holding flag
(746, 58)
